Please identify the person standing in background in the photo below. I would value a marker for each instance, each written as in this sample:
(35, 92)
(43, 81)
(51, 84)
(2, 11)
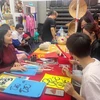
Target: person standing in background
(49, 31)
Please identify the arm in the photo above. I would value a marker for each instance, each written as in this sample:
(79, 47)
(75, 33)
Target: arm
(26, 36)
(69, 89)
(77, 96)
(16, 42)
(76, 78)
(91, 88)
(53, 32)
(68, 73)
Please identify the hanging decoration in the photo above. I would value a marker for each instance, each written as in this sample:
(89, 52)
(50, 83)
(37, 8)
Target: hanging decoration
(77, 9)
(18, 6)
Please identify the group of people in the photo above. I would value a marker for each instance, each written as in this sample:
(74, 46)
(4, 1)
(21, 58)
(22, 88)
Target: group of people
(8, 58)
(84, 46)
(14, 47)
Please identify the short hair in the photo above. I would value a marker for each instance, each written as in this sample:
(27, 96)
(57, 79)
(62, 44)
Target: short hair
(79, 44)
(19, 26)
(52, 12)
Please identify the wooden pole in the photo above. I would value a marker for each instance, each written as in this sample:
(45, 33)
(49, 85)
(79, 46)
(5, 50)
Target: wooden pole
(77, 13)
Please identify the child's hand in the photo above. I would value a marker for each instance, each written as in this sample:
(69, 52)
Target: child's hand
(20, 68)
(74, 62)
(66, 71)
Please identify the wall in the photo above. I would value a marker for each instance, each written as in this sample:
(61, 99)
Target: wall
(41, 11)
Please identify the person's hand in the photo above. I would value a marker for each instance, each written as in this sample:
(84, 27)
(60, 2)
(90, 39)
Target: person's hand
(66, 71)
(74, 62)
(69, 89)
(26, 43)
(23, 42)
(16, 64)
(54, 39)
(20, 68)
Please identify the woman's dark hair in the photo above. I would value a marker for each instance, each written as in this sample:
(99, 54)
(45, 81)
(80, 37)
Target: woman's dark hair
(95, 16)
(3, 30)
(79, 44)
(86, 19)
(91, 27)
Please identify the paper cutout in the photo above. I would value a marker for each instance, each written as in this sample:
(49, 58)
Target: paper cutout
(5, 81)
(25, 88)
(54, 81)
(31, 70)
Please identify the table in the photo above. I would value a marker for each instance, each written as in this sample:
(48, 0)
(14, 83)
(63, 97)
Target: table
(38, 77)
(52, 48)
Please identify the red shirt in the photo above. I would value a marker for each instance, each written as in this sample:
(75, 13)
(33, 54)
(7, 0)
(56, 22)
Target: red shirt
(7, 58)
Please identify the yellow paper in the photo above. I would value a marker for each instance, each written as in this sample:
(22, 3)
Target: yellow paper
(54, 81)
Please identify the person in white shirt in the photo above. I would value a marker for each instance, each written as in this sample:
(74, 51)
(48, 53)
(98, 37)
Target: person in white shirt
(18, 41)
(79, 47)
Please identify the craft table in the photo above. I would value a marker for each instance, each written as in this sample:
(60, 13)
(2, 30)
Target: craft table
(52, 48)
(57, 71)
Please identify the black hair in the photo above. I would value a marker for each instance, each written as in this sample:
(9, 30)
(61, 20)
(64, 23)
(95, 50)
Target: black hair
(19, 26)
(86, 19)
(3, 30)
(95, 16)
(79, 44)
(52, 12)
(91, 27)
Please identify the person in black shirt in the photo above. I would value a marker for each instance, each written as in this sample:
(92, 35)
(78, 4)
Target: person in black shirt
(90, 30)
(49, 31)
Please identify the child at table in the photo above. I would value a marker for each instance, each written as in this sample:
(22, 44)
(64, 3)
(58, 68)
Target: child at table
(79, 46)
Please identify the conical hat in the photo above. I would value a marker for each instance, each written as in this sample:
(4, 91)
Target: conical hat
(71, 27)
(82, 8)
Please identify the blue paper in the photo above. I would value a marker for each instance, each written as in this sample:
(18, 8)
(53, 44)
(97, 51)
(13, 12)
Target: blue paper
(31, 70)
(25, 88)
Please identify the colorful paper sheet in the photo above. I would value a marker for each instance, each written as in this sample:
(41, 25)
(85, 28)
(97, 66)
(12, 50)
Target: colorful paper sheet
(5, 81)
(54, 81)
(25, 88)
(31, 70)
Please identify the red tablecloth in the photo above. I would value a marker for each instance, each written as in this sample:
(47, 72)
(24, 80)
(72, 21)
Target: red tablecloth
(38, 77)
